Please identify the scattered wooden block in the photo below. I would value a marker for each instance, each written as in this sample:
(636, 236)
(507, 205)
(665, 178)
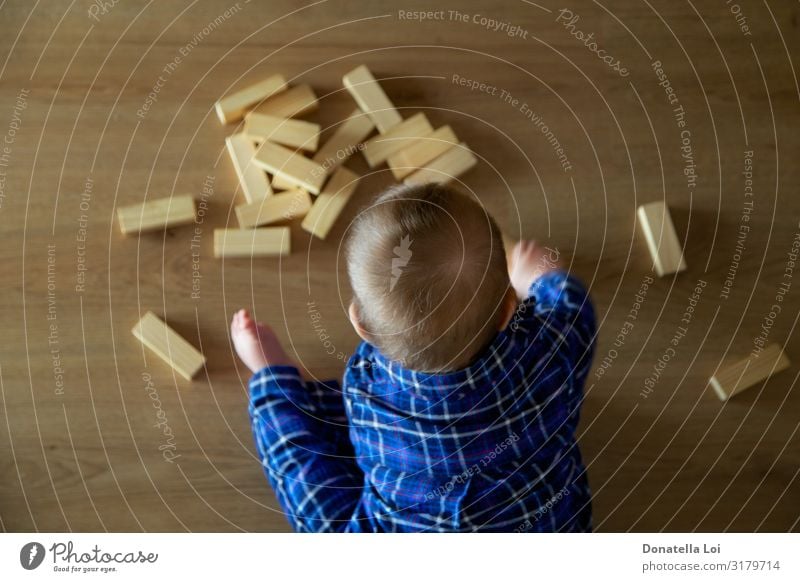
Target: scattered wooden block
(450, 165)
(422, 151)
(290, 166)
(380, 147)
(294, 102)
(277, 208)
(168, 345)
(294, 133)
(234, 243)
(662, 241)
(156, 214)
(282, 184)
(748, 372)
(330, 203)
(252, 179)
(232, 108)
(344, 141)
(371, 98)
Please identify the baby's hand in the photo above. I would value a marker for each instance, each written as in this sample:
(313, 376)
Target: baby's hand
(527, 261)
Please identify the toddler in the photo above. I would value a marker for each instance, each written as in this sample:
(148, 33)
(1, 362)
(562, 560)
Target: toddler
(459, 409)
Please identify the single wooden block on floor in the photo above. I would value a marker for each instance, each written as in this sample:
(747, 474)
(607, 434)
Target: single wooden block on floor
(233, 107)
(252, 179)
(233, 243)
(344, 141)
(748, 372)
(379, 148)
(449, 166)
(279, 207)
(293, 102)
(169, 345)
(371, 98)
(662, 240)
(290, 166)
(294, 133)
(422, 151)
(330, 203)
(156, 214)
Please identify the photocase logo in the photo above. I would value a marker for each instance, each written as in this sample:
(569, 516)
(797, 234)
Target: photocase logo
(31, 555)
(402, 254)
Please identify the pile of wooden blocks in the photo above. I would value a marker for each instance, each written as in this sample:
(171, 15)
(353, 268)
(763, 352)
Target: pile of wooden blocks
(280, 166)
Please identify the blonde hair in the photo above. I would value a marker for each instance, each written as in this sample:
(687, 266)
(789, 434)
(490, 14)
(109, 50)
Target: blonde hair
(429, 276)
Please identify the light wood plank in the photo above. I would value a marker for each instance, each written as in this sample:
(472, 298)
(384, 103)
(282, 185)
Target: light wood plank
(662, 240)
(452, 164)
(252, 179)
(294, 133)
(291, 166)
(748, 372)
(422, 151)
(294, 102)
(169, 345)
(380, 147)
(233, 107)
(258, 242)
(156, 214)
(345, 141)
(279, 207)
(371, 98)
(329, 204)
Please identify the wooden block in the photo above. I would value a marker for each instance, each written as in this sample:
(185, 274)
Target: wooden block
(252, 179)
(662, 241)
(156, 214)
(748, 372)
(344, 141)
(294, 133)
(422, 151)
(282, 183)
(371, 99)
(450, 165)
(168, 345)
(290, 166)
(294, 102)
(233, 107)
(330, 203)
(380, 147)
(278, 207)
(234, 243)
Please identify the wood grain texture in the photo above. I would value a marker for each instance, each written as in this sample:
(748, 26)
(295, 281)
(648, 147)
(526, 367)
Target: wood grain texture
(81, 448)
(731, 380)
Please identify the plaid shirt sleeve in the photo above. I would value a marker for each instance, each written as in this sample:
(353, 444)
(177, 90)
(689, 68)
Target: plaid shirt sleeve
(300, 429)
(558, 313)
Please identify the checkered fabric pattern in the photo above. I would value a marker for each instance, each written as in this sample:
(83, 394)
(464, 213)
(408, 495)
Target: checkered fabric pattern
(487, 448)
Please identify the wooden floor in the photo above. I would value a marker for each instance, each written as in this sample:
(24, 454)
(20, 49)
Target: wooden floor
(81, 447)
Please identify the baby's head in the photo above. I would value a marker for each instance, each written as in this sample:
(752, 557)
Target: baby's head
(429, 276)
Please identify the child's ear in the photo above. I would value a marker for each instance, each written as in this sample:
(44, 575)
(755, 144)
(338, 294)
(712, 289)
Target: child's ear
(355, 320)
(508, 309)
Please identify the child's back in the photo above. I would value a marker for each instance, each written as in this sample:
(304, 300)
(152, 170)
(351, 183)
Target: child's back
(484, 439)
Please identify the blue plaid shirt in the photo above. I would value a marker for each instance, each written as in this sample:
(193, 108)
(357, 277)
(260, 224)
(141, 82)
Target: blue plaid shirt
(487, 448)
